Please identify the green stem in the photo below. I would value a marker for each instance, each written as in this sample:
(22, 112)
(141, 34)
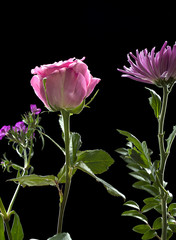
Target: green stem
(163, 160)
(14, 195)
(13, 199)
(66, 119)
(8, 229)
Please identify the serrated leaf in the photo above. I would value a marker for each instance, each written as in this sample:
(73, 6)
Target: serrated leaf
(36, 180)
(2, 237)
(60, 236)
(142, 228)
(149, 235)
(139, 157)
(111, 190)
(147, 152)
(132, 204)
(155, 102)
(17, 230)
(157, 224)
(171, 139)
(97, 160)
(135, 214)
(131, 138)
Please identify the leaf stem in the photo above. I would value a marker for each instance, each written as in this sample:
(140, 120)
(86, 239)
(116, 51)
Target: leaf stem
(163, 160)
(13, 199)
(66, 119)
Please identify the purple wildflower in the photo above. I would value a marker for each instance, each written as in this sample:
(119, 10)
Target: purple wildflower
(34, 109)
(3, 131)
(151, 67)
(20, 127)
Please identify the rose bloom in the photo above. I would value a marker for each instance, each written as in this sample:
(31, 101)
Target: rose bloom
(63, 85)
(151, 67)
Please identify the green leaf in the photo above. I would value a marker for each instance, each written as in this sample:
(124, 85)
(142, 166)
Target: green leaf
(155, 102)
(169, 233)
(157, 224)
(149, 206)
(110, 189)
(171, 139)
(140, 185)
(135, 214)
(97, 160)
(36, 180)
(142, 228)
(139, 157)
(75, 144)
(151, 200)
(172, 226)
(172, 209)
(2, 237)
(17, 230)
(2, 209)
(132, 204)
(149, 235)
(141, 175)
(132, 138)
(171, 206)
(146, 187)
(133, 166)
(60, 236)
(62, 174)
(122, 151)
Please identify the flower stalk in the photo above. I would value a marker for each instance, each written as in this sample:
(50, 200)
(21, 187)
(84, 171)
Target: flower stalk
(163, 160)
(66, 119)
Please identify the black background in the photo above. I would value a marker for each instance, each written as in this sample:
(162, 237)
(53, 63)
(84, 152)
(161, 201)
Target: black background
(104, 32)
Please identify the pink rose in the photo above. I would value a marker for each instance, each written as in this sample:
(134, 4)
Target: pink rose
(63, 85)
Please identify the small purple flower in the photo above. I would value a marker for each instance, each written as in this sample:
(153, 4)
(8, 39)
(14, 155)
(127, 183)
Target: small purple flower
(20, 127)
(151, 67)
(34, 109)
(3, 131)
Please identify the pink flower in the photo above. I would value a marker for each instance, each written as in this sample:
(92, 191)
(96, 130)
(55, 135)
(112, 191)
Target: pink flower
(63, 85)
(20, 127)
(151, 67)
(34, 109)
(3, 131)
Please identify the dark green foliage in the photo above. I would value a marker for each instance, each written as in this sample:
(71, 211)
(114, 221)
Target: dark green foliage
(137, 157)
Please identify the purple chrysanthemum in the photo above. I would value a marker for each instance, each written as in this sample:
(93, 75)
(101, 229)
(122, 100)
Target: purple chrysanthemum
(34, 109)
(3, 131)
(151, 67)
(20, 127)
